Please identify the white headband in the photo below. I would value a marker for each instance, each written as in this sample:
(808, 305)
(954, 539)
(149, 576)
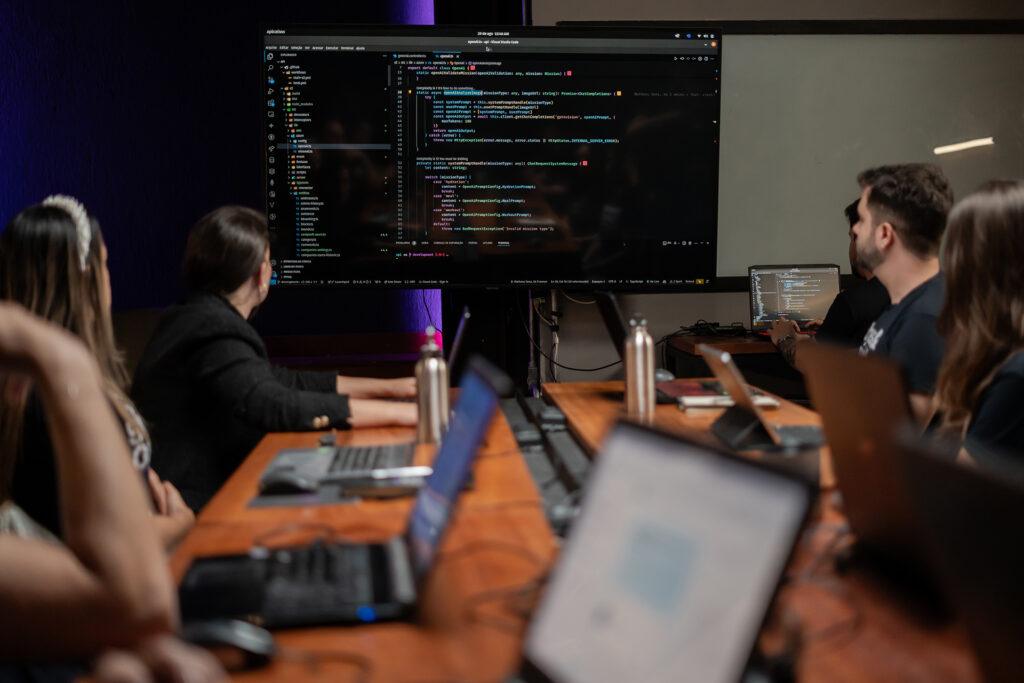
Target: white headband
(74, 208)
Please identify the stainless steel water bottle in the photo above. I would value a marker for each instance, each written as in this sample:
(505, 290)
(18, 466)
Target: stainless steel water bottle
(431, 392)
(639, 359)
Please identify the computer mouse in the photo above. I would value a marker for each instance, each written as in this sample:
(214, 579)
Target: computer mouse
(663, 375)
(286, 480)
(238, 644)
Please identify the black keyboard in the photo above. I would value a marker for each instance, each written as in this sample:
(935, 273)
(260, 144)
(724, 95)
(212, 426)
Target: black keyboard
(316, 584)
(366, 458)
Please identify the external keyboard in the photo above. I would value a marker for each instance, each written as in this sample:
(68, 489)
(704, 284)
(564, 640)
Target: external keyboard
(367, 458)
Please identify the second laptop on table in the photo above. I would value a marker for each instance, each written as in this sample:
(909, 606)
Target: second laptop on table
(744, 425)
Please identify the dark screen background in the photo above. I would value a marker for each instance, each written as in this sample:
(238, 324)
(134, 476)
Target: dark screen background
(412, 181)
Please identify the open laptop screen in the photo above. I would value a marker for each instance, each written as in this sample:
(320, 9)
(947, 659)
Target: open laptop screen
(670, 568)
(456, 347)
(797, 292)
(478, 399)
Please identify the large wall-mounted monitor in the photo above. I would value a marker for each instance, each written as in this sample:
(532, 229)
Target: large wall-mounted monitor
(507, 157)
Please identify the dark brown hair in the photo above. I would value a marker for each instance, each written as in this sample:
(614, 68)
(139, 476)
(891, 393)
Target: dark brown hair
(915, 198)
(225, 248)
(982, 319)
(851, 212)
(40, 269)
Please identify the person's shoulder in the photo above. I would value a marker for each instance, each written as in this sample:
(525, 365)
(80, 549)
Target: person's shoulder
(924, 303)
(915, 326)
(870, 293)
(195, 324)
(203, 315)
(933, 293)
(1013, 367)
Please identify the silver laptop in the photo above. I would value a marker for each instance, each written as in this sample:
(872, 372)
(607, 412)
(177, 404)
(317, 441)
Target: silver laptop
(801, 293)
(744, 425)
(671, 566)
(294, 470)
(862, 401)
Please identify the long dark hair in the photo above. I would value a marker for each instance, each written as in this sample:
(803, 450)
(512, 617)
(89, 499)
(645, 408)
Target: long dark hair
(40, 268)
(982, 319)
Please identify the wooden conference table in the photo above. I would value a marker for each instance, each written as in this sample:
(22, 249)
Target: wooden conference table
(477, 598)
(852, 629)
(476, 604)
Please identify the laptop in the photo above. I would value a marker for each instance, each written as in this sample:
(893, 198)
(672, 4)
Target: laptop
(306, 469)
(972, 521)
(801, 293)
(862, 401)
(324, 582)
(744, 425)
(460, 332)
(671, 566)
(666, 392)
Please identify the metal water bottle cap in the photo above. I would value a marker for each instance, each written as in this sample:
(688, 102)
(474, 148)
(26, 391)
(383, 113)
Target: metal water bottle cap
(431, 392)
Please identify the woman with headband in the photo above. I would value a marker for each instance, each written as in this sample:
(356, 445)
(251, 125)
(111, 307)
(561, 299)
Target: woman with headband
(205, 384)
(54, 263)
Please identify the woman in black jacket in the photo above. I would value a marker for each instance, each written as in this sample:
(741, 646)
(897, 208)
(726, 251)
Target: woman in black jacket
(204, 383)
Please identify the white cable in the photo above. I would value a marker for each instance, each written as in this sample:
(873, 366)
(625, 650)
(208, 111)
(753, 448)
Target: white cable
(577, 301)
(542, 318)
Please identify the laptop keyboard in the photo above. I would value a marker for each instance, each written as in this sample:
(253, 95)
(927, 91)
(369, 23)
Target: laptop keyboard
(366, 458)
(800, 435)
(318, 583)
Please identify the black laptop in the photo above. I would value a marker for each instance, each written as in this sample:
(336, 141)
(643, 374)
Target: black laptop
(326, 582)
(671, 566)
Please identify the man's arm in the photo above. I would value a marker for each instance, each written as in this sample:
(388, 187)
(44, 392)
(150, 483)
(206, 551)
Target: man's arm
(785, 334)
(111, 585)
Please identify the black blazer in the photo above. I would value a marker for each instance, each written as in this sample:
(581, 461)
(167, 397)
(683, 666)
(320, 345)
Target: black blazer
(208, 393)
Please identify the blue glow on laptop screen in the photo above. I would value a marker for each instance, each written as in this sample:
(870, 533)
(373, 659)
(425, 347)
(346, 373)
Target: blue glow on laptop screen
(435, 501)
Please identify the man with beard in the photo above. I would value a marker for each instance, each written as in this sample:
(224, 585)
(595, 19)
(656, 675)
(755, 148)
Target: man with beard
(850, 315)
(901, 217)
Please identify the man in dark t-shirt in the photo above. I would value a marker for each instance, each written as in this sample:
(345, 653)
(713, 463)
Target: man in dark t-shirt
(851, 313)
(906, 332)
(901, 217)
